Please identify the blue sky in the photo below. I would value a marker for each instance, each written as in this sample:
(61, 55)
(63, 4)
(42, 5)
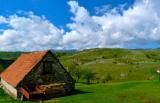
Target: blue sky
(29, 25)
(56, 11)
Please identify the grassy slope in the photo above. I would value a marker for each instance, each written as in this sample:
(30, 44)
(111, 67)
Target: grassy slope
(123, 65)
(9, 55)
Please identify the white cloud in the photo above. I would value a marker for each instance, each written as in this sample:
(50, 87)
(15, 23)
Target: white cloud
(30, 33)
(138, 26)
(2, 20)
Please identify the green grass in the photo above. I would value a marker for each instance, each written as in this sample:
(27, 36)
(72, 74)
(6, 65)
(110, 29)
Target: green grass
(4, 98)
(126, 92)
(9, 55)
(132, 64)
(121, 92)
(1, 68)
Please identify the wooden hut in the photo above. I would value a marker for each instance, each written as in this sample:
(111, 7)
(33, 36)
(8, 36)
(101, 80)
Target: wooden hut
(36, 75)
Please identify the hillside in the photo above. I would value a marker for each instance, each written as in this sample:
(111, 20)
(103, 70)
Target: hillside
(6, 58)
(118, 75)
(119, 64)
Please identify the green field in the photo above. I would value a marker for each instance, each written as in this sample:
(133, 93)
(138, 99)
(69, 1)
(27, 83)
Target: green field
(116, 76)
(122, 92)
(128, 92)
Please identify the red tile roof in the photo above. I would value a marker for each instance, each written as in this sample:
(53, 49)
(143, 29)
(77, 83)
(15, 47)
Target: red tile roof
(21, 67)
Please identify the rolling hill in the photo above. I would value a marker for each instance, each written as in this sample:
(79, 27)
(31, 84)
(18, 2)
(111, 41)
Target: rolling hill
(131, 75)
(119, 64)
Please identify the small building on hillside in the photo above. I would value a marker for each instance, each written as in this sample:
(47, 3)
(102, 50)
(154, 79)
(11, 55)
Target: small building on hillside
(36, 75)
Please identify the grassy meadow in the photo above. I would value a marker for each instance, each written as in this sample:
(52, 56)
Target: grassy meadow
(113, 75)
(121, 92)
(126, 92)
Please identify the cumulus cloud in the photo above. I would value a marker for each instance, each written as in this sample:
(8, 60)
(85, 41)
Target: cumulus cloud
(2, 20)
(138, 26)
(29, 33)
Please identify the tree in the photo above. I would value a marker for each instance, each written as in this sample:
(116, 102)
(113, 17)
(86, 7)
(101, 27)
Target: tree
(71, 68)
(78, 72)
(89, 75)
(75, 71)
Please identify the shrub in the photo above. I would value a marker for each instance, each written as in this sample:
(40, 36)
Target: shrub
(106, 78)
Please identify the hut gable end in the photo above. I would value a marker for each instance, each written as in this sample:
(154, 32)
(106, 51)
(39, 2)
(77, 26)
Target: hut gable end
(47, 71)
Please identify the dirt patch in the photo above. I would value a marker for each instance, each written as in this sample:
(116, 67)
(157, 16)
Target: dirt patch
(147, 100)
(122, 97)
